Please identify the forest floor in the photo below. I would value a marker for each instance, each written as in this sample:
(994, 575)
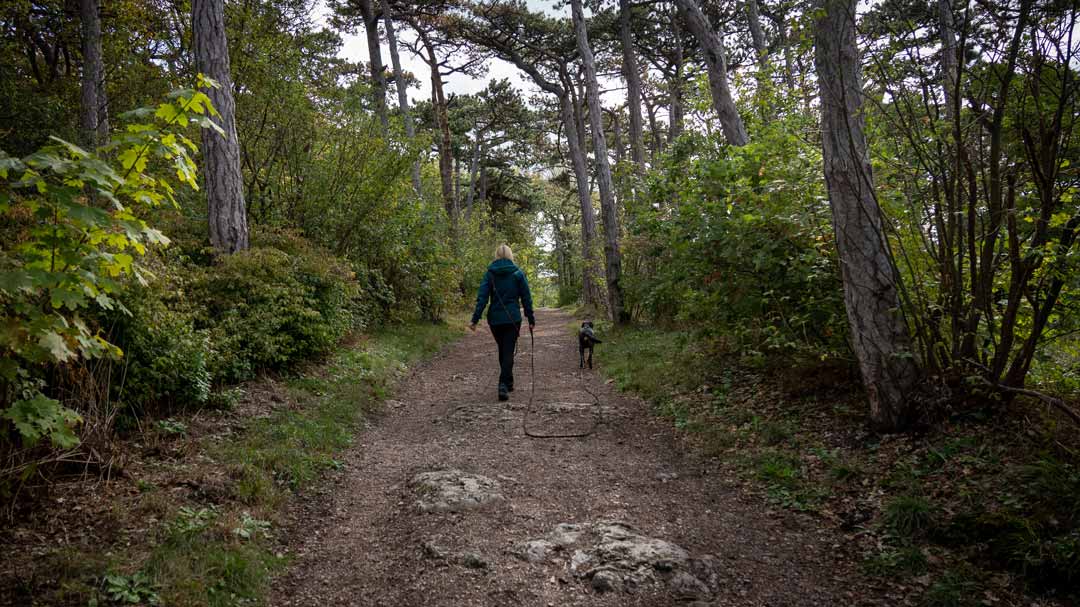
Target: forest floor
(371, 479)
(624, 516)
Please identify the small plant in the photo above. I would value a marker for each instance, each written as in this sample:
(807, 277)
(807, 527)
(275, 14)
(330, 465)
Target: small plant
(955, 588)
(172, 427)
(906, 560)
(908, 516)
(251, 528)
(774, 433)
(191, 521)
(779, 468)
(226, 399)
(131, 589)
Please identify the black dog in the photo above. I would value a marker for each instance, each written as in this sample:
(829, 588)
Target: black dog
(585, 339)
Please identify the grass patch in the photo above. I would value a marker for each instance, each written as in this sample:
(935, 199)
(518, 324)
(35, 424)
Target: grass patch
(981, 492)
(908, 516)
(220, 556)
(905, 561)
(957, 587)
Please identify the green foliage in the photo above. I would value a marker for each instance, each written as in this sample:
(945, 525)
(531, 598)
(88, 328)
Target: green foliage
(168, 359)
(908, 516)
(265, 309)
(905, 560)
(737, 240)
(251, 527)
(172, 427)
(79, 230)
(133, 589)
(190, 521)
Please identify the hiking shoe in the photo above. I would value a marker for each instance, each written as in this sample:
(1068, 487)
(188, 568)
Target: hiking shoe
(504, 394)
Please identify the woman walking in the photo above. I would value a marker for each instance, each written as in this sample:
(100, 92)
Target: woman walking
(504, 285)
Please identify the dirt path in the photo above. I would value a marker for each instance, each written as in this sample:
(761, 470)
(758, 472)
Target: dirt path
(363, 539)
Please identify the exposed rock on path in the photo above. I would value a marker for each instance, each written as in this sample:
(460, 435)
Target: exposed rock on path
(454, 491)
(444, 502)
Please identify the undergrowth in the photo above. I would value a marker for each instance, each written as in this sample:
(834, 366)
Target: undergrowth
(981, 505)
(218, 551)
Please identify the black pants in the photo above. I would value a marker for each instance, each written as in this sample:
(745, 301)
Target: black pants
(506, 336)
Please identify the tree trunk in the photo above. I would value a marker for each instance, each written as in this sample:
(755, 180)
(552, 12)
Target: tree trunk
(633, 86)
(438, 101)
(603, 170)
(675, 95)
(654, 131)
(474, 166)
(878, 332)
(402, 90)
(588, 216)
(94, 105)
(789, 60)
(730, 121)
(226, 212)
(378, 89)
(616, 133)
(949, 63)
(757, 35)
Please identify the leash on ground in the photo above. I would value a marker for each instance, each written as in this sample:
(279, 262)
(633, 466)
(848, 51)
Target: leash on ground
(599, 417)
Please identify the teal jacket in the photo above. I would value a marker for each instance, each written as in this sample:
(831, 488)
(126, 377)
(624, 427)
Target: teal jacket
(510, 286)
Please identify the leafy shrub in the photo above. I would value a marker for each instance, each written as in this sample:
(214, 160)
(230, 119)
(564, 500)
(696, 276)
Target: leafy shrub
(265, 309)
(737, 240)
(167, 359)
(77, 235)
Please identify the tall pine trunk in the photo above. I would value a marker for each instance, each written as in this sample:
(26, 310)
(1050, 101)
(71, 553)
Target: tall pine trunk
(878, 332)
(226, 213)
(438, 102)
(698, 24)
(675, 85)
(633, 85)
(612, 256)
(588, 216)
(757, 35)
(402, 90)
(94, 105)
(378, 92)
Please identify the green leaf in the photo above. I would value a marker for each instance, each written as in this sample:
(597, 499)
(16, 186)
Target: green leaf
(167, 112)
(56, 345)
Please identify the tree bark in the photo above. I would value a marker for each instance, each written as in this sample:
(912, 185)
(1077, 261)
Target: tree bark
(616, 134)
(94, 105)
(588, 215)
(612, 256)
(633, 86)
(757, 35)
(438, 101)
(675, 94)
(949, 61)
(226, 213)
(698, 24)
(402, 90)
(378, 92)
(878, 331)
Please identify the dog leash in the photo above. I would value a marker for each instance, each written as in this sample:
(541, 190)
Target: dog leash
(597, 419)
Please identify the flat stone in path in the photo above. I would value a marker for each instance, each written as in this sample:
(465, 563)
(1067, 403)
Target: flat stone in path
(454, 491)
(615, 557)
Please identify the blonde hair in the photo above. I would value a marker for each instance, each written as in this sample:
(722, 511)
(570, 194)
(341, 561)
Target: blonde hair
(503, 252)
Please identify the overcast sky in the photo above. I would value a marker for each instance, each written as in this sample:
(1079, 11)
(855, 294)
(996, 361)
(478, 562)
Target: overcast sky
(355, 49)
